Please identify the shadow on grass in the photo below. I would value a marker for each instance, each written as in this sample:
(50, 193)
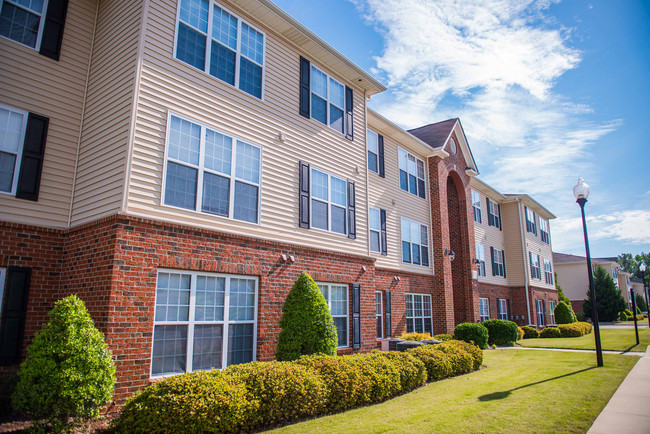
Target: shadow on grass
(504, 394)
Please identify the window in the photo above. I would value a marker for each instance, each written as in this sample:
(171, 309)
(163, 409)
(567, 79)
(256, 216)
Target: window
(211, 172)
(480, 257)
(415, 243)
(531, 225)
(327, 100)
(498, 262)
(373, 151)
(543, 231)
(494, 213)
(551, 311)
(418, 313)
(411, 173)
(328, 202)
(502, 308)
(476, 206)
(484, 309)
(20, 21)
(374, 224)
(12, 135)
(337, 300)
(378, 313)
(615, 274)
(203, 321)
(548, 271)
(541, 312)
(221, 44)
(535, 271)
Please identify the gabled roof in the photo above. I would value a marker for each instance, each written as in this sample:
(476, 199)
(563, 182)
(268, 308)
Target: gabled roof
(528, 200)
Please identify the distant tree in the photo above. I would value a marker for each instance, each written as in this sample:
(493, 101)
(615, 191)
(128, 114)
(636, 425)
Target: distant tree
(630, 264)
(640, 303)
(609, 300)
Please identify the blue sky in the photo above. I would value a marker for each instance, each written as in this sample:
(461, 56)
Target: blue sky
(546, 91)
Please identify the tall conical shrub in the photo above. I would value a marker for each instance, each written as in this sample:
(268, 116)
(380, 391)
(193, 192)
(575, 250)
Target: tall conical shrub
(307, 324)
(564, 314)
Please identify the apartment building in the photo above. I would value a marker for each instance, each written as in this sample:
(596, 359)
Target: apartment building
(182, 162)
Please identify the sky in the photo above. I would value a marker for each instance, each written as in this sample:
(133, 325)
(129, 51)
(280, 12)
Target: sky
(547, 91)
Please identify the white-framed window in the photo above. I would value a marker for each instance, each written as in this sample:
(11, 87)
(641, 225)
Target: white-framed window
(480, 257)
(541, 312)
(372, 139)
(551, 311)
(379, 313)
(494, 214)
(211, 172)
(476, 206)
(327, 99)
(336, 296)
(218, 42)
(329, 199)
(203, 321)
(548, 271)
(22, 21)
(531, 225)
(13, 124)
(502, 308)
(415, 242)
(615, 274)
(535, 270)
(3, 273)
(374, 228)
(543, 231)
(484, 309)
(498, 263)
(418, 313)
(411, 173)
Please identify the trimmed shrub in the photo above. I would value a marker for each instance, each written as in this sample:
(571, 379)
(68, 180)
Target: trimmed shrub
(530, 332)
(380, 377)
(550, 332)
(501, 331)
(307, 325)
(443, 337)
(520, 334)
(284, 390)
(438, 363)
(625, 315)
(473, 350)
(412, 372)
(205, 401)
(462, 362)
(564, 314)
(586, 327)
(413, 336)
(69, 371)
(472, 332)
(575, 329)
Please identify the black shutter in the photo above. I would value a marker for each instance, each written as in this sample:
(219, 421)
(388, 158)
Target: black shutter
(508, 307)
(53, 28)
(383, 239)
(31, 166)
(527, 222)
(499, 212)
(503, 255)
(352, 214)
(544, 311)
(494, 265)
(489, 213)
(356, 315)
(380, 149)
(303, 188)
(305, 70)
(534, 222)
(14, 309)
(349, 113)
(387, 320)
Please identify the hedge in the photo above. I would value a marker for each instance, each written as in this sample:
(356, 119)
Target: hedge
(550, 332)
(575, 329)
(473, 350)
(472, 332)
(443, 337)
(501, 331)
(412, 372)
(530, 332)
(413, 336)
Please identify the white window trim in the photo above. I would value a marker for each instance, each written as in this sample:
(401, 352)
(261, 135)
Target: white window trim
(407, 173)
(543, 231)
(402, 240)
(548, 271)
(3, 274)
(502, 308)
(329, 203)
(190, 323)
(328, 300)
(480, 256)
(371, 229)
(208, 46)
(493, 209)
(484, 315)
(327, 100)
(21, 143)
(531, 226)
(541, 314)
(201, 169)
(535, 268)
(423, 317)
(372, 152)
(498, 260)
(476, 206)
(41, 23)
(380, 315)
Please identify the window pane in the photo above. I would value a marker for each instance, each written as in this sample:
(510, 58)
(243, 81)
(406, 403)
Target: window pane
(372, 140)
(415, 232)
(210, 295)
(318, 83)
(19, 25)
(406, 251)
(252, 43)
(341, 331)
(224, 27)
(222, 63)
(338, 219)
(425, 256)
(413, 186)
(318, 214)
(248, 162)
(402, 156)
(216, 194)
(337, 93)
(416, 253)
(242, 300)
(373, 219)
(169, 349)
(11, 127)
(33, 5)
(372, 161)
(409, 305)
(403, 180)
(421, 189)
(318, 108)
(218, 152)
(424, 239)
(336, 118)
(190, 47)
(208, 342)
(406, 229)
(7, 167)
(246, 202)
(195, 13)
(378, 303)
(339, 300)
(319, 185)
(420, 169)
(240, 343)
(173, 297)
(184, 141)
(250, 78)
(180, 188)
(339, 196)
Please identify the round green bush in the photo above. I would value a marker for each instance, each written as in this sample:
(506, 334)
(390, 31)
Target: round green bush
(443, 337)
(284, 390)
(205, 401)
(564, 314)
(550, 332)
(473, 350)
(530, 332)
(501, 331)
(307, 325)
(69, 371)
(438, 363)
(412, 372)
(472, 332)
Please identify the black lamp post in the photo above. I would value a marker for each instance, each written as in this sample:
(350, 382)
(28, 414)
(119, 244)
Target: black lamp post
(642, 269)
(636, 327)
(581, 192)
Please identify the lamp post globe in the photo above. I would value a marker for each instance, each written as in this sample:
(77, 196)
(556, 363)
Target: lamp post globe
(581, 190)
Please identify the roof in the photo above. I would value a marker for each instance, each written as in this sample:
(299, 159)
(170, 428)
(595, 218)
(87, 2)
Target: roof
(435, 135)
(565, 258)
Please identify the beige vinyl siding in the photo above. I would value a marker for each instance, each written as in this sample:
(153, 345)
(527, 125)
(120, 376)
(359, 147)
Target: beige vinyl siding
(491, 236)
(54, 89)
(573, 279)
(382, 192)
(168, 84)
(534, 244)
(102, 158)
(516, 267)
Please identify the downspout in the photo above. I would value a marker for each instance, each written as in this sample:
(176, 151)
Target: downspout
(366, 99)
(523, 252)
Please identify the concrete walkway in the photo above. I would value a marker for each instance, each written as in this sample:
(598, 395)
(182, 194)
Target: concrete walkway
(628, 411)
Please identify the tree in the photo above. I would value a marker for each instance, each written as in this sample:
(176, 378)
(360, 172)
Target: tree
(608, 297)
(306, 326)
(564, 314)
(630, 264)
(640, 303)
(69, 371)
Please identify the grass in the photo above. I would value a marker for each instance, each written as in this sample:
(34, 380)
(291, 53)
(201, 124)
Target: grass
(517, 391)
(611, 339)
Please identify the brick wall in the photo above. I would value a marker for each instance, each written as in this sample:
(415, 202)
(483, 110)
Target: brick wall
(541, 294)
(516, 296)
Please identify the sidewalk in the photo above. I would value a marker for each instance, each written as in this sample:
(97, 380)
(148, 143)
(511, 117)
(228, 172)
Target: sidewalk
(628, 411)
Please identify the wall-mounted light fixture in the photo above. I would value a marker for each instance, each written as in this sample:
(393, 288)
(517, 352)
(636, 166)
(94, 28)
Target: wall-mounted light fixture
(451, 254)
(363, 268)
(397, 278)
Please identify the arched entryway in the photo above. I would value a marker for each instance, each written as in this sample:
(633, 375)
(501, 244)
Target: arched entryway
(458, 242)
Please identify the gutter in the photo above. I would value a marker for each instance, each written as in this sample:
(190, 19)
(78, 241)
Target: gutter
(523, 251)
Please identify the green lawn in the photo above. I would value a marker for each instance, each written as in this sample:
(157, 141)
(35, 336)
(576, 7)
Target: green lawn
(611, 339)
(517, 391)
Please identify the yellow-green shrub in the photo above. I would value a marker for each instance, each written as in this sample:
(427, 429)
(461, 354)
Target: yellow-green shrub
(575, 329)
(415, 336)
(473, 350)
(530, 332)
(520, 334)
(438, 364)
(462, 362)
(550, 332)
(412, 372)
(380, 376)
(443, 337)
